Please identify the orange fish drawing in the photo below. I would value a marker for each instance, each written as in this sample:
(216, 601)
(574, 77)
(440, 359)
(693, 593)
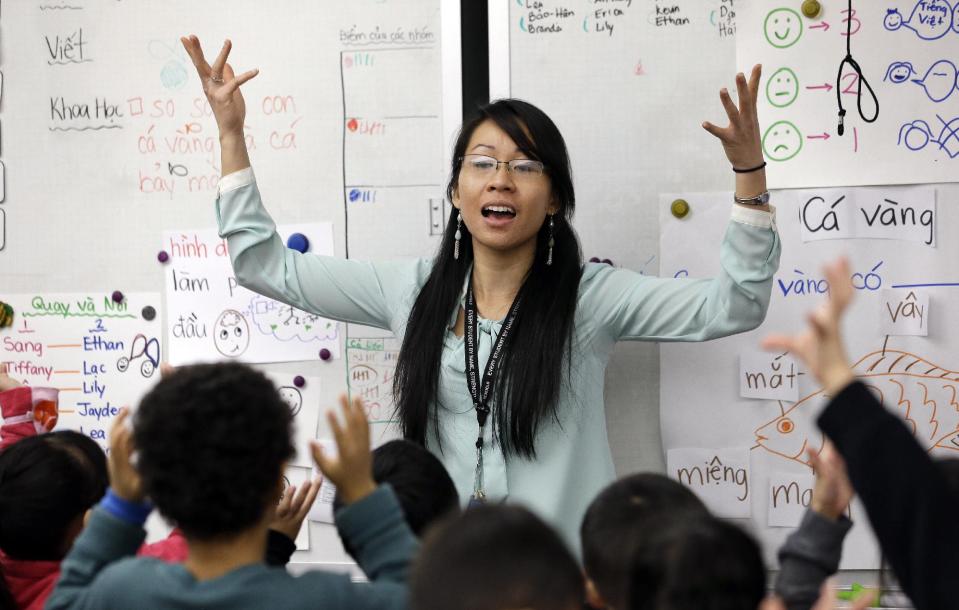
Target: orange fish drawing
(923, 394)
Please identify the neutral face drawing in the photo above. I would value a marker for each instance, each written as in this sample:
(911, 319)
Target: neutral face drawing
(782, 141)
(782, 88)
(292, 397)
(899, 72)
(782, 27)
(939, 80)
(231, 333)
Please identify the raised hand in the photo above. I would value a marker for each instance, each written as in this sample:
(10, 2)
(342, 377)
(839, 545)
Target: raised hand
(740, 138)
(352, 470)
(221, 86)
(124, 478)
(820, 346)
(833, 491)
(293, 508)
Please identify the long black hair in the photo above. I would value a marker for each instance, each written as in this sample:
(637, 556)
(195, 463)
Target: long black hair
(531, 371)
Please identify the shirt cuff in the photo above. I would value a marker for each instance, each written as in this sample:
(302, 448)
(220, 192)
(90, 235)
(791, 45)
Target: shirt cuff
(236, 180)
(755, 218)
(135, 513)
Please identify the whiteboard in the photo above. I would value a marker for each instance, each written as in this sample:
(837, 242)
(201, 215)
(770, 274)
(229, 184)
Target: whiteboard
(629, 83)
(108, 143)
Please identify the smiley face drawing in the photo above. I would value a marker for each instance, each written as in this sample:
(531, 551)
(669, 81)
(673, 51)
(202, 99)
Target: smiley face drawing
(782, 141)
(292, 397)
(782, 88)
(899, 72)
(892, 20)
(782, 27)
(231, 333)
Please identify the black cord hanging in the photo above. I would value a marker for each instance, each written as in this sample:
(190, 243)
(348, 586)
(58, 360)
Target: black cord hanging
(859, 83)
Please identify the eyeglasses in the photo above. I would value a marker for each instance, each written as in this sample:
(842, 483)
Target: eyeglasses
(486, 167)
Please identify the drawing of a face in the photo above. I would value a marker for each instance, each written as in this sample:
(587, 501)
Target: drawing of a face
(955, 21)
(794, 431)
(292, 397)
(231, 333)
(939, 81)
(783, 27)
(782, 88)
(782, 141)
(893, 20)
(899, 72)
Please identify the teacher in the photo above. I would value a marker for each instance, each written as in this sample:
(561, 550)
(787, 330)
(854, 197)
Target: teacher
(506, 332)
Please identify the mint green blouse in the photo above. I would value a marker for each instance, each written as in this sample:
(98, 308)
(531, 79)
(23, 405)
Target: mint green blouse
(573, 461)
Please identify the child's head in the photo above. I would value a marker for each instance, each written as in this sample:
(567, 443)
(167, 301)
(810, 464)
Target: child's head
(212, 440)
(47, 484)
(614, 527)
(423, 487)
(495, 558)
(696, 563)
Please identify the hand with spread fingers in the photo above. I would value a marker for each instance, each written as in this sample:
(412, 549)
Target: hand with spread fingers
(221, 86)
(820, 346)
(741, 138)
(352, 469)
(293, 508)
(124, 478)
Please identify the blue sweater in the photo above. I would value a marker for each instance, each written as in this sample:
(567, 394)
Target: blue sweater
(101, 571)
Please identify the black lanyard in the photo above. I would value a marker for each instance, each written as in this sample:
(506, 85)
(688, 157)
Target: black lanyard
(481, 395)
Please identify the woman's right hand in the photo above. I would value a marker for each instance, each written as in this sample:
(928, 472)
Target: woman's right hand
(221, 86)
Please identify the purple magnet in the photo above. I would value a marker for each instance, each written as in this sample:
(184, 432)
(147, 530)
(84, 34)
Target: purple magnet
(325, 354)
(298, 242)
(608, 262)
(298, 381)
(594, 259)
(162, 256)
(117, 296)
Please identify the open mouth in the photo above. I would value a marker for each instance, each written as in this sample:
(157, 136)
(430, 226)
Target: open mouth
(498, 211)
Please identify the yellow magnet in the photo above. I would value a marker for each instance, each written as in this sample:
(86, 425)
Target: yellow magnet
(811, 8)
(679, 208)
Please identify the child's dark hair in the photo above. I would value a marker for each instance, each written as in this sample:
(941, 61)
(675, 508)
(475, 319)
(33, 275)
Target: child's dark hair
(212, 440)
(494, 558)
(423, 487)
(47, 483)
(700, 563)
(616, 520)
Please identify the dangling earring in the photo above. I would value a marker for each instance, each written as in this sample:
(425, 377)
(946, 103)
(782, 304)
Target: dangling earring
(552, 242)
(457, 236)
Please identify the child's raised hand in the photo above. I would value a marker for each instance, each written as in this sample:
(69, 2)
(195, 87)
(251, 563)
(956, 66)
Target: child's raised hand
(820, 346)
(833, 491)
(293, 508)
(352, 470)
(124, 478)
(6, 381)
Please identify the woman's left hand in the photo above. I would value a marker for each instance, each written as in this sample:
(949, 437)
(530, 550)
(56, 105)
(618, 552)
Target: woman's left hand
(740, 138)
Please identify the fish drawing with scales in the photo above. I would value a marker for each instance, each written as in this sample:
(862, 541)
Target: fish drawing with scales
(923, 394)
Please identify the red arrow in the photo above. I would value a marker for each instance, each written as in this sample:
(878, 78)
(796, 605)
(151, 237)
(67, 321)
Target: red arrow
(821, 25)
(823, 136)
(825, 86)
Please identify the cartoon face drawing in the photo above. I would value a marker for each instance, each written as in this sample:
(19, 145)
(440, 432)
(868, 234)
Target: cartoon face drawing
(782, 27)
(794, 431)
(782, 88)
(231, 333)
(292, 397)
(939, 80)
(893, 20)
(782, 141)
(899, 72)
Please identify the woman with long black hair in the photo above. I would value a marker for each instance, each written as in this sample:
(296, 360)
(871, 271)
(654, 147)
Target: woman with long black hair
(506, 333)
